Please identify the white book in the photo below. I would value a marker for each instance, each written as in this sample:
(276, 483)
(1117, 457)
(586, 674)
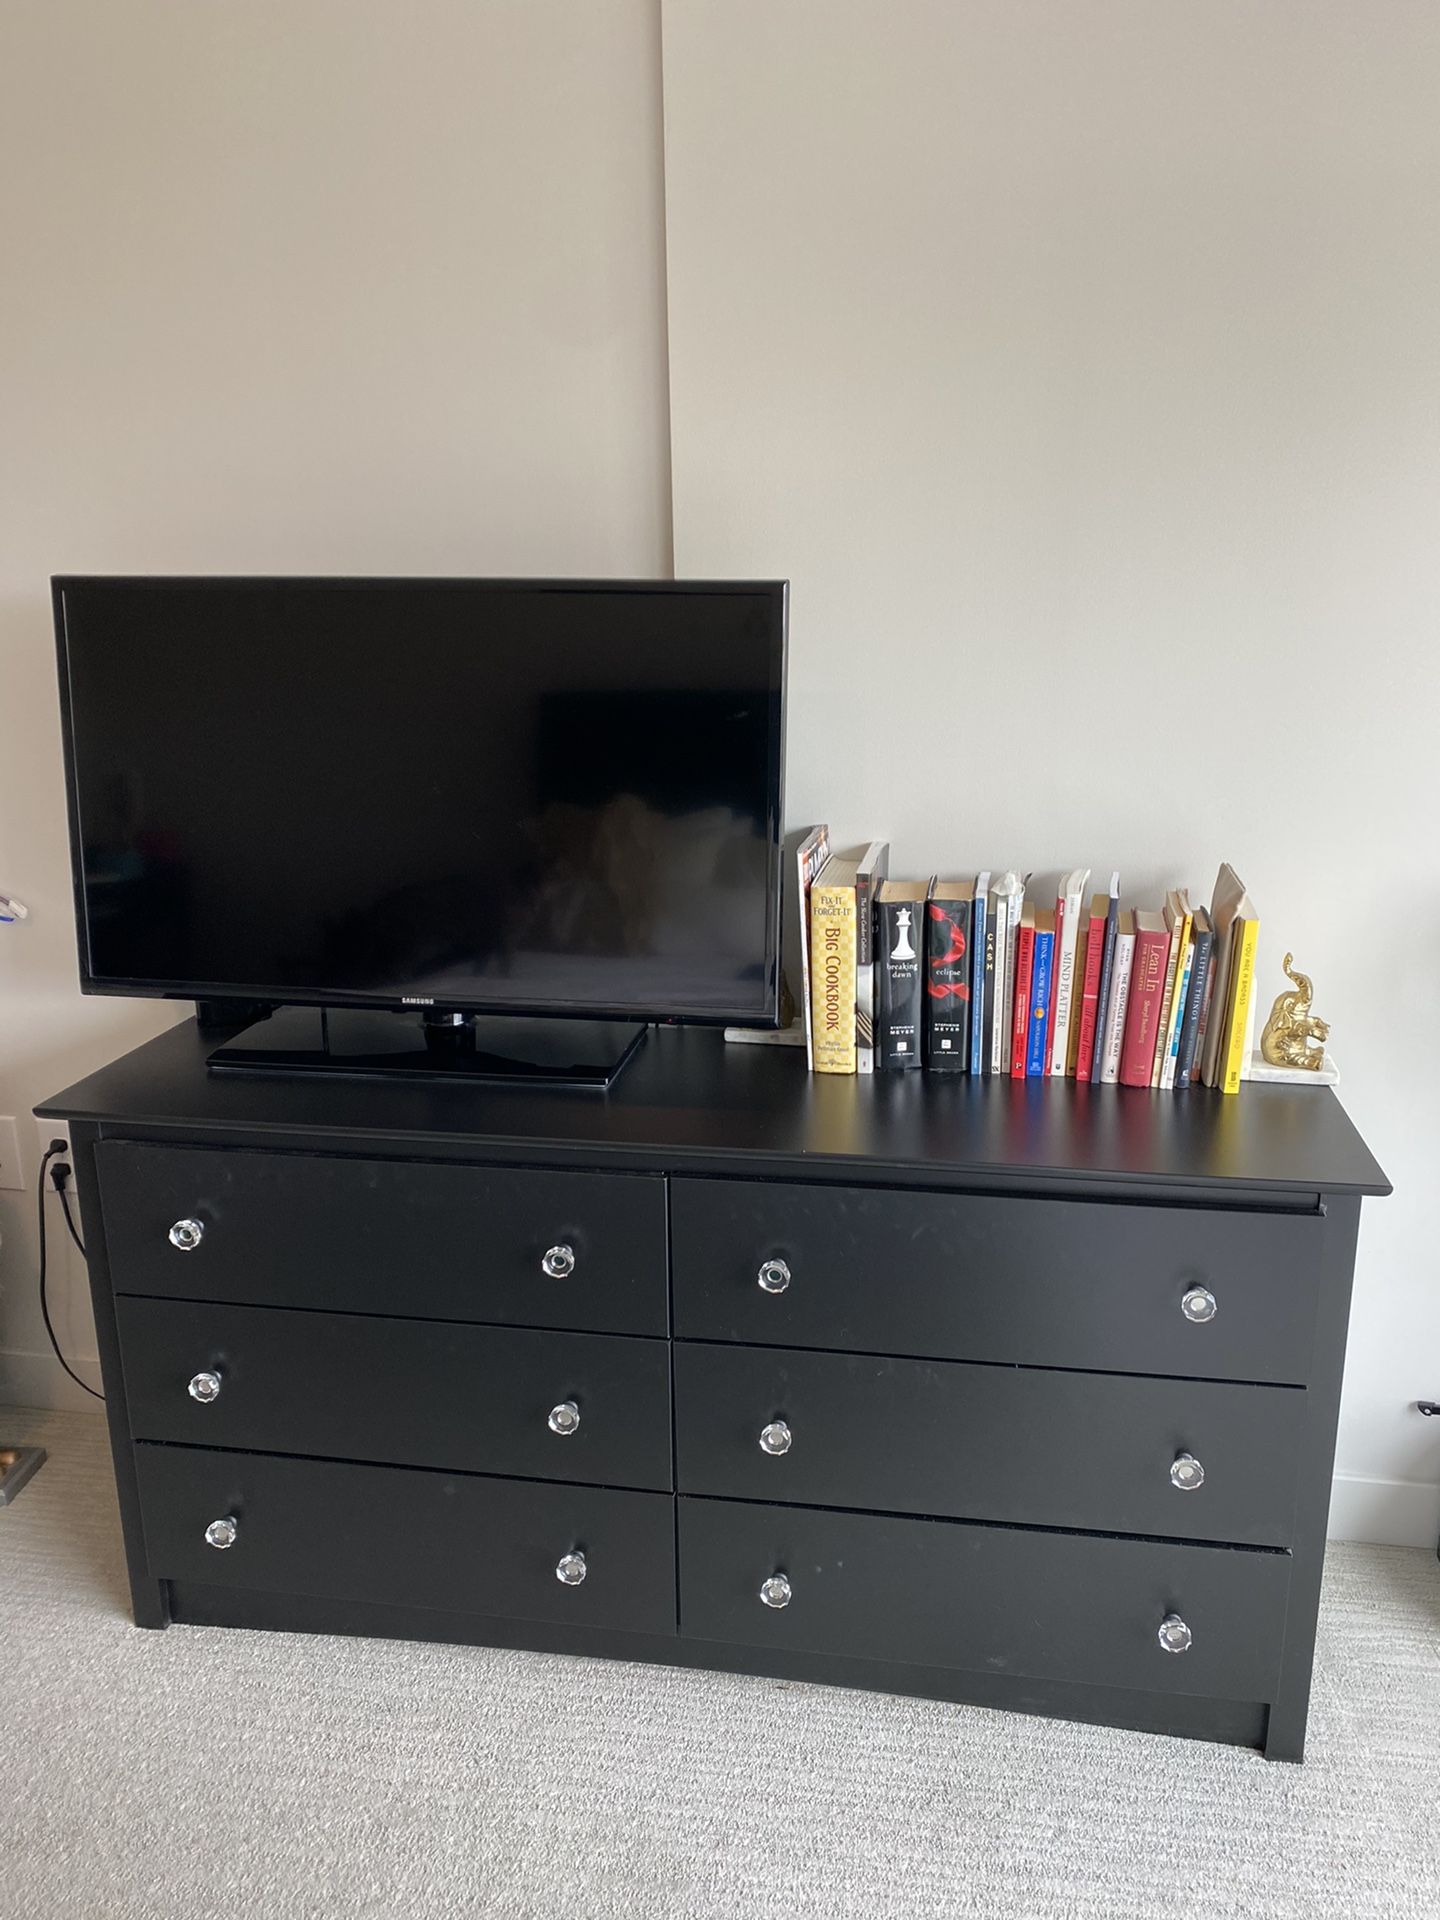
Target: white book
(1172, 1050)
(1119, 999)
(1070, 904)
(1010, 899)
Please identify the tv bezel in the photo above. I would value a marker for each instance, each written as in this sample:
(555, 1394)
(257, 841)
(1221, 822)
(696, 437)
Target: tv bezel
(777, 591)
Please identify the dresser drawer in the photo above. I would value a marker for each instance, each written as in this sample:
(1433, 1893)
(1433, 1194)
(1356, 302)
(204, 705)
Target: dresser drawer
(1018, 1444)
(591, 1407)
(940, 1593)
(386, 1236)
(1055, 1283)
(401, 1537)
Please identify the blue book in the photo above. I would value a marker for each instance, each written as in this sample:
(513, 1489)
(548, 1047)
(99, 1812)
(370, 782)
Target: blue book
(1037, 1051)
(977, 974)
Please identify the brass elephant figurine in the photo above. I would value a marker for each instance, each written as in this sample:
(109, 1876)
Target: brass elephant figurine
(1293, 1037)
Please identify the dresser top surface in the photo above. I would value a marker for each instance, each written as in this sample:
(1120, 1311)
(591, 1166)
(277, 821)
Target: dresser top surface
(690, 1101)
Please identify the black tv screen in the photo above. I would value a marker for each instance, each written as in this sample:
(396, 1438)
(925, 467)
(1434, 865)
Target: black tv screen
(548, 797)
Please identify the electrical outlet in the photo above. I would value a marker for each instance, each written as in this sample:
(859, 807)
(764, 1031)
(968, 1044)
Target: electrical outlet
(12, 1174)
(48, 1131)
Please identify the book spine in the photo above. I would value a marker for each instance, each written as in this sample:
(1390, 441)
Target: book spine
(1172, 1043)
(977, 981)
(998, 1035)
(1090, 997)
(1020, 1022)
(1037, 1053)
(1067, 946)
(947, 986)
(898, 986)
(1242, 987)
(1107, 982)
(1167, 1002)
(1194, 1007)
(1118, 1008)
(1142, 1022)
(832, 977)
(987, 998)
(865, 971)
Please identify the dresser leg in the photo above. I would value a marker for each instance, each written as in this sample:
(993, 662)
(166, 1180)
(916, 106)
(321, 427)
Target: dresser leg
(1285, 1733)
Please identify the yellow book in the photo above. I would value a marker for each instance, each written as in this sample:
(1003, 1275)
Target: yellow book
(1242, 987)
(832, 966)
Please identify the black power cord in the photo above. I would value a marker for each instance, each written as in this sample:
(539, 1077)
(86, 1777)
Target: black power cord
(59, 1179)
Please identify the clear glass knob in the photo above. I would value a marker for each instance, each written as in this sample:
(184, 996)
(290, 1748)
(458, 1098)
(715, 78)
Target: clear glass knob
(774, 1276)
(1174, 1635)
(559, 1262)
(1198, 1305)
(1186, 1473)
(775, 1438)
(186, 1235)
(221, 1533)
(571, 1569)
(205, 1387)
(775, 1591)
(565, 1418)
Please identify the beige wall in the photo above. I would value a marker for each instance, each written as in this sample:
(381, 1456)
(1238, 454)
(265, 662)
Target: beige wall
(298, 285)
(1079, 365)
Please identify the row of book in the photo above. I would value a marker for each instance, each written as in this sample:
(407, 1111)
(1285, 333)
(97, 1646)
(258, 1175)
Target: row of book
(973, 976)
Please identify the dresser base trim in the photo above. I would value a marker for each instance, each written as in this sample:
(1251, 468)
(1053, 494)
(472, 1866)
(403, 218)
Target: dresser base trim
(1237, 1723)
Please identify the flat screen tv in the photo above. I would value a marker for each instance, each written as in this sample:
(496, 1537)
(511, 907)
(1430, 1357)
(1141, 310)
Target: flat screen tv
(539, 797)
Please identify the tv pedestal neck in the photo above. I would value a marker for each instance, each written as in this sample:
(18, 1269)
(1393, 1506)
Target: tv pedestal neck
(361, 1043)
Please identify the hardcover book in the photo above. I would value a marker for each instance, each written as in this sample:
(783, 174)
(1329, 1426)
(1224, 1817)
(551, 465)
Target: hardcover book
(1118, 1003)
(1067, 935)
(1013, 888)
(977, 972)
(1172, 1045)
(833, 951)
(810, 857)
(1041, 968)
(1203, 942)
(899, 985)
(1090, 986)
(1177, 919)
(948, 914)
(1147, 991)
(1226, 903)
(1107, 977)
(868, 875)
(1245, 936)
(1024, 977)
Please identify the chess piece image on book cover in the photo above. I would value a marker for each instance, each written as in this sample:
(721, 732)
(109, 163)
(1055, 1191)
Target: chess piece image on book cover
(1293, 1036)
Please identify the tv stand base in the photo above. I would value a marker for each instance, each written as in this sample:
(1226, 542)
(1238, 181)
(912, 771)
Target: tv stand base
(363, 1044)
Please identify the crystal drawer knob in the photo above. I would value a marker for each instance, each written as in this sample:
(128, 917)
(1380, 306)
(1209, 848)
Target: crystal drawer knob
(775, 1438)
(559, 1262)
(1174, 1635)
(775, 1591)
(571, 1569)
(1198, 1305)
(205, 1387)
(565, 1418)
(774, 1276)
(222, 1533)
(1186, 1473)
(186, 1235)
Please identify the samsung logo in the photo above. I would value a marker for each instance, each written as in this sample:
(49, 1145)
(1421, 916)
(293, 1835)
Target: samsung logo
(417, 1000)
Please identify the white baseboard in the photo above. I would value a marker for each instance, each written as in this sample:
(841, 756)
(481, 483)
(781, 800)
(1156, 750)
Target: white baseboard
(1392, 1513)
(36, 1380)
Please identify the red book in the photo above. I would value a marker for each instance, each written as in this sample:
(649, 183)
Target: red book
(1024, 964)
(1147, 994)
(1090, 987)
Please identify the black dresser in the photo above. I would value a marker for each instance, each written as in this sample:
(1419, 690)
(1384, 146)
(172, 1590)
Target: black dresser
(1014, 1393)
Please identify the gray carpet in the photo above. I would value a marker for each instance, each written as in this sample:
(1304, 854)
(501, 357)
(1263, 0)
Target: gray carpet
(221, 1773)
